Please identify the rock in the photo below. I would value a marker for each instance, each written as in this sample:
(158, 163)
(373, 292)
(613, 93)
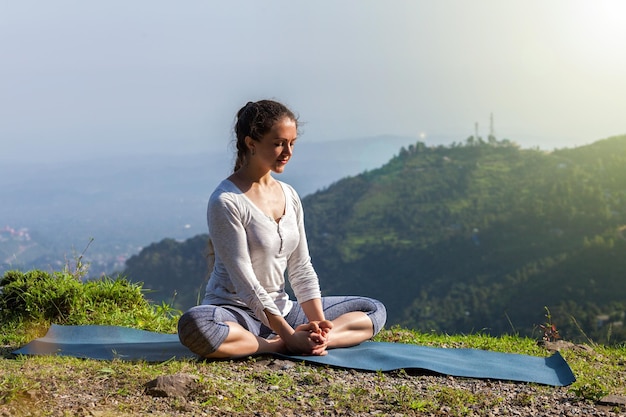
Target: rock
(32, 394)
(280, 364)
(585, 348)
(177, 385)
(556, 346)
(561, 345)
(613, 400)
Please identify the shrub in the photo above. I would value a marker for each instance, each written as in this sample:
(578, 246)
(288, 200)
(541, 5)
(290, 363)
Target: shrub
(37, 297)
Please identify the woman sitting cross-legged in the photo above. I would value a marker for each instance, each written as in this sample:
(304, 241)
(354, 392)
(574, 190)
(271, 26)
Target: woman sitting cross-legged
(256, 230)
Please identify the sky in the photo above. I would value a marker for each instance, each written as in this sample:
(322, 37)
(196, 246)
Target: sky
(114, 77)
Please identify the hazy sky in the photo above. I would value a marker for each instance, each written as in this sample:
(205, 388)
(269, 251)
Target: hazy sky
(79, 78)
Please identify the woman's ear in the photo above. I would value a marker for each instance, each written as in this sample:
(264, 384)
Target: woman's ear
(251, 144)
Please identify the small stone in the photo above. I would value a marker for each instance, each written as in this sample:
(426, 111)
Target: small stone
(32, 394)
(177, 385)
(613, 400)
(585, 348)
(556, 346)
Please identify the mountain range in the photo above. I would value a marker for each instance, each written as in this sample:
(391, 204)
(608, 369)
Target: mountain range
(476, 236)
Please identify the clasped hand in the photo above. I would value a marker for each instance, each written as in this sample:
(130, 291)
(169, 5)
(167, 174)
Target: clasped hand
(310, 339)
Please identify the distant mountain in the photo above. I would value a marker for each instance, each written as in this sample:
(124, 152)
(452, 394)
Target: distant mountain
(475, 236)
(128, 202)
(481, 237)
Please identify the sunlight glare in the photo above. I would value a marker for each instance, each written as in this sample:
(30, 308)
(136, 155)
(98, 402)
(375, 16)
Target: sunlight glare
(601, 29)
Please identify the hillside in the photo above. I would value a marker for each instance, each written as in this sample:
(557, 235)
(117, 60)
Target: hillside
(478, 236)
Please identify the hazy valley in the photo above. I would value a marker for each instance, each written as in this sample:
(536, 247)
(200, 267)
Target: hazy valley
(51, 212)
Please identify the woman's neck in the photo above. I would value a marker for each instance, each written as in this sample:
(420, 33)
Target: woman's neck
(249, 176)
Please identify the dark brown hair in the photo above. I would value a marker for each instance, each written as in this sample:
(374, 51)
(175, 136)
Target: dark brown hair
(255, 119)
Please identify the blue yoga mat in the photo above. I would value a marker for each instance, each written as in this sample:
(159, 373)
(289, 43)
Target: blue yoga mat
(111, 342)
(107, 343)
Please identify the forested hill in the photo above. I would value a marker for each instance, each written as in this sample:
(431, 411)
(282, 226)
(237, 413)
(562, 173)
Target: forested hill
(478, 236)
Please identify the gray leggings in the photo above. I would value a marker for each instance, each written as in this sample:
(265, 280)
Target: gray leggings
(203, 329)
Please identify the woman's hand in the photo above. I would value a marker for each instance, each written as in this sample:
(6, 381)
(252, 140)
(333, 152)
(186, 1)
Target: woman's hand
(310, 338)
(306, 342)
(321, 328)
(307, 339)
(318, 326)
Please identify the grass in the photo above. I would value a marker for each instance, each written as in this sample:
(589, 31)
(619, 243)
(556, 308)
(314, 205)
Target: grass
(30, 301)
(48, 385)
(600, 370)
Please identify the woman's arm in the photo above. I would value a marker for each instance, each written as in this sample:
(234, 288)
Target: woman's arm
(313, 310)
(230, 241)
(302, 275)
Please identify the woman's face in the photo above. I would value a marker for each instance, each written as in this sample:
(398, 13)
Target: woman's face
(275, 148)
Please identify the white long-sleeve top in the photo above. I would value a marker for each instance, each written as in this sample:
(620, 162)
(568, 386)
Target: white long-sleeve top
(254, 252)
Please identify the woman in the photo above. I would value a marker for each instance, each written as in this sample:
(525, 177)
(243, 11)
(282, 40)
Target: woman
(256, 230)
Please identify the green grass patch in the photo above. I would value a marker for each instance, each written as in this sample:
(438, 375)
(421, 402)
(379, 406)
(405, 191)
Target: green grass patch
(599, 369)
(31, 301)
